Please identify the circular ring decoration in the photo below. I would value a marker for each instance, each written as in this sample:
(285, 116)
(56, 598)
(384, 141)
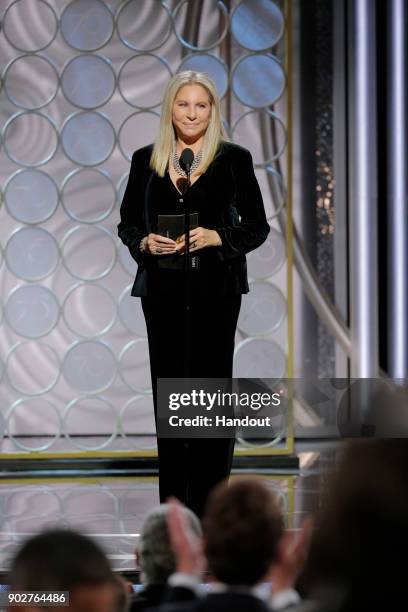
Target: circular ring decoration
(92, 309)
(144, 421)
(267, 260)
(131, 313)
(87, 25)
(126, 260)
(134, 359)
(258, 80)
(51, 415)
(211, 65)
(257, 25)
(32, 311)
(32, 253)
(259, 358)
(76, 502)
(89, 366)
(249, 121)
(24, 75)
(121, 186)
(263, 310)
(26, 137)
(131, 13)
(142, 80)
(74, 404)
(42, 23)
(88, 80)
(88, 138)
(224, 12)
(88, 195)
(32, 501)
(140, 122)
(31, 196)
(76, 251)
(33, 367)
(276, 186)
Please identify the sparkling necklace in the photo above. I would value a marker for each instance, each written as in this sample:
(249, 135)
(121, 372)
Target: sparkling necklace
(193, 167)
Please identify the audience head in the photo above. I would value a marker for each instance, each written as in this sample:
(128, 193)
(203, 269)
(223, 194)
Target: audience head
(63, 560)
(362, 535)
(154, 553)
(242, 526)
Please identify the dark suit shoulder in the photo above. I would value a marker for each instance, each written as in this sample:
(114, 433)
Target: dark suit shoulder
(234, 150)
(218, 602)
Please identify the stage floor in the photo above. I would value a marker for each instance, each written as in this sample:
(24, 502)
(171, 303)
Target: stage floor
(112, 509)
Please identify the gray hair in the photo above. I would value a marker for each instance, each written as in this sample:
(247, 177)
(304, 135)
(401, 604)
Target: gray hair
(156, 556)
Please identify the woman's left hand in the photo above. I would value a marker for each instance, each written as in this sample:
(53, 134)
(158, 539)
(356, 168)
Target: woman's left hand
(200, 238)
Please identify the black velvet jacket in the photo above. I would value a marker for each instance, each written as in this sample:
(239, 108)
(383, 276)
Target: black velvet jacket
(227, 198)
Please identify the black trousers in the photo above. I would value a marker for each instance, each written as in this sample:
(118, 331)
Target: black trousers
(189, 469)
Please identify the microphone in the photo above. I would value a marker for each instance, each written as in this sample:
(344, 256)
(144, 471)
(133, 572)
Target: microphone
(186, 159)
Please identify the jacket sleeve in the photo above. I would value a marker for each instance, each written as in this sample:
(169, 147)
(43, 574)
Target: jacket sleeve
(247, 227)
(131, 228)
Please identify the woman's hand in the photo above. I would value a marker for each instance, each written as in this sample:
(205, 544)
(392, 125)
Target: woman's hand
(200, 238)
(159, 245)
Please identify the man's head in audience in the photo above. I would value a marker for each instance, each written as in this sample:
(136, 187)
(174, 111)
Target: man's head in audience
(242, 526)
(154, 553)
(358, 550)
(63, 560)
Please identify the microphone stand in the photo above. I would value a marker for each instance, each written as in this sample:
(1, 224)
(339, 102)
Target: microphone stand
(187, 273)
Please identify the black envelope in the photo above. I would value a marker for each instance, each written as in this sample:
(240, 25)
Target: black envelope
(172, 226)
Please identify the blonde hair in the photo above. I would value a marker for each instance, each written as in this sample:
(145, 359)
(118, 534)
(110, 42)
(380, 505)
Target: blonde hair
(165, 141)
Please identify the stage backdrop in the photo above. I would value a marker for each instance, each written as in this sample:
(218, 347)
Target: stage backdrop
(81, 87)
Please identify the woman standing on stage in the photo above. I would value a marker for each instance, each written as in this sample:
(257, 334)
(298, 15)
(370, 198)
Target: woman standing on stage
(225, 194)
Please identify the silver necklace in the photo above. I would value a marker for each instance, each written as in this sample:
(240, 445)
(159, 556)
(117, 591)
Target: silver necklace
(193, 167)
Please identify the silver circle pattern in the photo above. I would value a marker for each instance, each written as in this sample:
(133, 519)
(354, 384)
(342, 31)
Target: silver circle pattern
(31, 138)
(75, 252)
(257, 25)
(89, 366)
(81, 432)
(31, 195)
(146, 16)
(33, 424)
(32, 253)
(215, 43)
(88, 138)
(88, 81)
(258, 80)
(211, 65)
(32, 367)
(31, 12)
(87, 25)
(80, 316)
(88, 195)
(32, 311)
(141, 66)
(20, 80)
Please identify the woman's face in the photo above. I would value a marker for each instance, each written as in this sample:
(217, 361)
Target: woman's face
(191, 112)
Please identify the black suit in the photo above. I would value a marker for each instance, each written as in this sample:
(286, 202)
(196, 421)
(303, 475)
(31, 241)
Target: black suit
(218, 602)
(153, 595)
(227, 198)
